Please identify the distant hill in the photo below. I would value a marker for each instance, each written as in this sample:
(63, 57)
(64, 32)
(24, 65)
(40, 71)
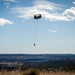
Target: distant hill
(40, 61)
(34, 57)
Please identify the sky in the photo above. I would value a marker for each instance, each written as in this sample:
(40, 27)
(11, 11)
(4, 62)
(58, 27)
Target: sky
(54, 33)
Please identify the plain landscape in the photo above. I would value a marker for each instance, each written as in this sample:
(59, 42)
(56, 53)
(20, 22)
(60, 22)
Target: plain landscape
(46, 64)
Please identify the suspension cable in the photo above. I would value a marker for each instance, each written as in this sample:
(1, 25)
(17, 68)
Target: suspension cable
(35, 36)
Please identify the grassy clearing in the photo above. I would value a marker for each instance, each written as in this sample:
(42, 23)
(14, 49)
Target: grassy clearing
(57, 73)
(28, 72)
(4, 72)
(31, 72)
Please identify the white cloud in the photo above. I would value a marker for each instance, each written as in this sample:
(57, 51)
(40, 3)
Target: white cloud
(42, 7)
(73, 2)
(7, 2)
(47, 10)
(48, 4)
(10, 0)
(54, 31)
(70, 13)
(4, 21)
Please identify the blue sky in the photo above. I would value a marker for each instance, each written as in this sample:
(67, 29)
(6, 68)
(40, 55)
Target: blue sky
(55, 30)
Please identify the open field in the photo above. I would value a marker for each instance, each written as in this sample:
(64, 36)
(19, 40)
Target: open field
(40, 73)
(47, 64)
(57, 73)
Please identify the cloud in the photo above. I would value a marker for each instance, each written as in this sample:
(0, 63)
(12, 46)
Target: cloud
(4, 21)
(10, 1)
(70, 13)
(47, 4)
(47, 9)
(7, 2)
(73, 2)
(42, 7)
(54, 31)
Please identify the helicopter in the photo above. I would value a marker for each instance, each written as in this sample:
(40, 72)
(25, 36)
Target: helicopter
(37, 16)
